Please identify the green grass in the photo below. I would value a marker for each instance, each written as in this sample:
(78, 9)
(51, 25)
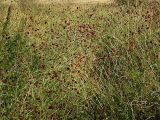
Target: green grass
(79, 62)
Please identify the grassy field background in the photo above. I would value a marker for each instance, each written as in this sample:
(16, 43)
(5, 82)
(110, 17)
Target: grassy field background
(80, 62)
(62, 1)
(77, 1)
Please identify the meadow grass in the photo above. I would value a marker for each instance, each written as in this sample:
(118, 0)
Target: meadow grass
(79, 62)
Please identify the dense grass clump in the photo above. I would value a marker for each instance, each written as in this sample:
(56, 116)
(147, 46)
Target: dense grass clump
(130, 2)
(84, 62)
(135, 3)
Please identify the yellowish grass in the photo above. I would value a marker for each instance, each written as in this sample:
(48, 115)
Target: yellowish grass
(73, 1)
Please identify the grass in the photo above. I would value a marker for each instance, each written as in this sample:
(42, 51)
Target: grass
(82, 62)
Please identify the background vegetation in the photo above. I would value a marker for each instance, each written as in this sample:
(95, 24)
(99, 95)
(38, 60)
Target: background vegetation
(82, 62)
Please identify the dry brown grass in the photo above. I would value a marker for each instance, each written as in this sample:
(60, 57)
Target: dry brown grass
(73, 1)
